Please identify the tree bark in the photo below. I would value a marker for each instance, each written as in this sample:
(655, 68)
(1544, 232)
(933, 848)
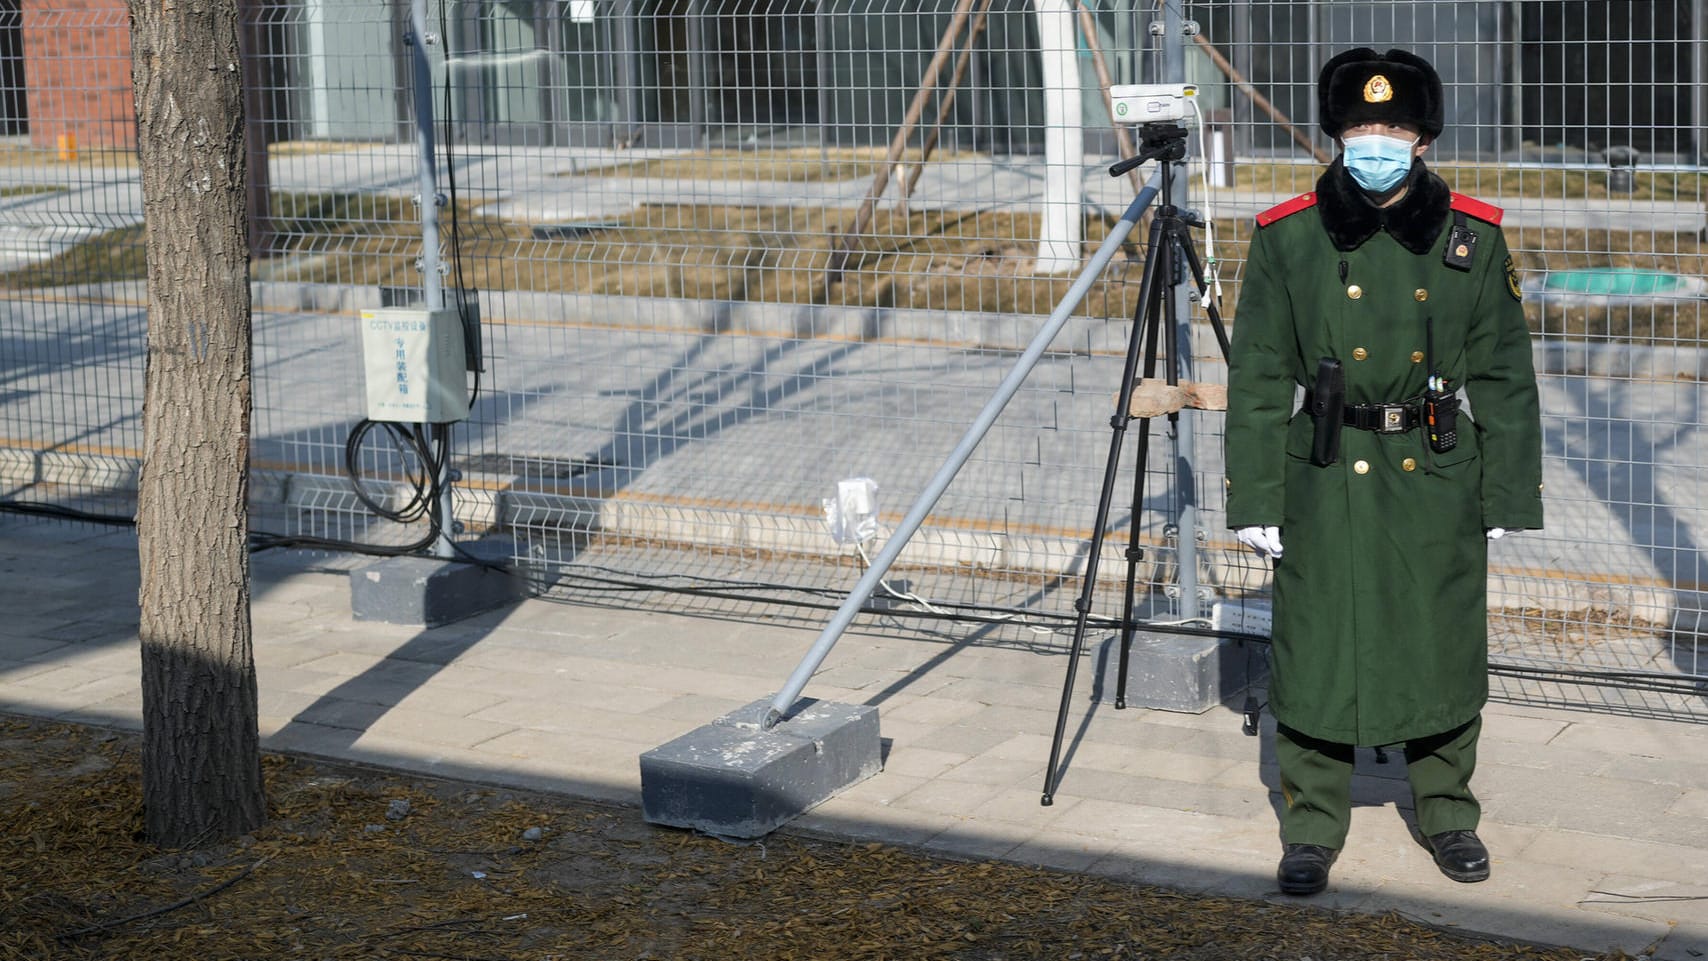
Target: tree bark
(200, 757)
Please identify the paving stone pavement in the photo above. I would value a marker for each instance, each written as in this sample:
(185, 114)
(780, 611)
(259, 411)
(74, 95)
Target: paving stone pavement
(1598, 823)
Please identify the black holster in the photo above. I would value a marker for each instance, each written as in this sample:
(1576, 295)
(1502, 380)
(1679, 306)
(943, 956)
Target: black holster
(1327, 406)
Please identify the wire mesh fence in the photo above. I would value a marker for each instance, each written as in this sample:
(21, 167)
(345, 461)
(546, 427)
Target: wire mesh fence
(725, 255)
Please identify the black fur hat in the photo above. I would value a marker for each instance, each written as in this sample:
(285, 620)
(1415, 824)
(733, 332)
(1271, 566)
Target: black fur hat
(1362, 85)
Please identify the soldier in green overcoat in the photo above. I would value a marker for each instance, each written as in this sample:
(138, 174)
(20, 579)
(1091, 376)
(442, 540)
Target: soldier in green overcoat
(1404, 293)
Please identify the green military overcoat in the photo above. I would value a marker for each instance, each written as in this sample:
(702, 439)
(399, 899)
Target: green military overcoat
(1380, 616)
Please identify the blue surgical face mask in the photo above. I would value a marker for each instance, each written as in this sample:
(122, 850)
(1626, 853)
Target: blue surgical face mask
(1378, 162)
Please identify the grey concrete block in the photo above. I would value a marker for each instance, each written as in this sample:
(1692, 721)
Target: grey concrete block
(731, 778)
(429, 591)
(1180, 672)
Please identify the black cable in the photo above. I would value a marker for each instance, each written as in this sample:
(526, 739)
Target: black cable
(429, 449)
(1686, 684)
(1627, 680)
(258, 540)
(421, 475)
(64, 513)
(263, 541)
(1528, 669)
(1694, 685)
(451, 187)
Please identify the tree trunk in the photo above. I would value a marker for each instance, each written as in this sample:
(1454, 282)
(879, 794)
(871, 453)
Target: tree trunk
(200, 756)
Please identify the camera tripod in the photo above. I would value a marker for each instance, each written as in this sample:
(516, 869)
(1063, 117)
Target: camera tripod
(1168, 254)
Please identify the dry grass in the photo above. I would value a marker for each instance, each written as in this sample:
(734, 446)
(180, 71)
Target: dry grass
(1494, 181)
(29, 155)
(1664, 323)
(1569, 635)
(951, 261)
(973, 261)
(791, 165)
(112, 256)
(1679, 322)
(330, 875)
(1562, 183)
(305, 148)
(30, 190)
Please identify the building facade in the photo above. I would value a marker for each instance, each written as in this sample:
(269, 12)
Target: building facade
(1575, 75)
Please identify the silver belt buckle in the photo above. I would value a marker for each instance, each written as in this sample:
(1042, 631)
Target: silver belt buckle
(1393, 419)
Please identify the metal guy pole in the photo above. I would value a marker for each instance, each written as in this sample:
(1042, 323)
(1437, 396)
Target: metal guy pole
(432, 292)
(1174, 27)
(939, 482)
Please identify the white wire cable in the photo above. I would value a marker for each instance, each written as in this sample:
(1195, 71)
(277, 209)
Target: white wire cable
(1212, 266)
(860, 547)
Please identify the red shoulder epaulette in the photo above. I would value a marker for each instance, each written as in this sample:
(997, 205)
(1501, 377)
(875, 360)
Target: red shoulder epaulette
(1287, 208)
(1478, 209)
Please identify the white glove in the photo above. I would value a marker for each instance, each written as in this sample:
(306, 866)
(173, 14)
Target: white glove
(1266, 541)
(1496, 533)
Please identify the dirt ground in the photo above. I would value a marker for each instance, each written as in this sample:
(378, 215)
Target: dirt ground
(363, 863)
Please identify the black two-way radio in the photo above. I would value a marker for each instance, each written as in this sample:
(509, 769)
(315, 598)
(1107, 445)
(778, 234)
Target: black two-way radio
(1440, 399)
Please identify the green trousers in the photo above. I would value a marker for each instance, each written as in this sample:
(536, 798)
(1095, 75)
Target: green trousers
(1316, 784)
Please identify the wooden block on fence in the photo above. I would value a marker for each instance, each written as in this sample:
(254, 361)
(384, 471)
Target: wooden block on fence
(1154, 398)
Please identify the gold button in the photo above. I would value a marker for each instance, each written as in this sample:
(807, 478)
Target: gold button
(1227, 484)
(1421, 295)
(1539, 486)
(1417, 356)
(1355, 291)
(1409, 464)
(1359, 353)
(1362, 467)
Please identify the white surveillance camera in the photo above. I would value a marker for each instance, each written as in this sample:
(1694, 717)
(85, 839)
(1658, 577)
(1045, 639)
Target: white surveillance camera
(1150, 102)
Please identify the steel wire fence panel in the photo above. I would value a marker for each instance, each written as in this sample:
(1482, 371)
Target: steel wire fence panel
(726, 255)
(700, 255)
(70, 247)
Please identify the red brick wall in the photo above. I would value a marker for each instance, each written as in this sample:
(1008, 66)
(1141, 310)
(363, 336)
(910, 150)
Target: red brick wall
(77, 69)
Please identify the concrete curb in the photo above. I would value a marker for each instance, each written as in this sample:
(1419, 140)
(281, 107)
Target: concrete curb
(487, 502)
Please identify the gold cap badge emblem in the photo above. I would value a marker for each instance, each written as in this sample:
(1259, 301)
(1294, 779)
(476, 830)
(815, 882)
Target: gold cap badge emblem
(1378, 90)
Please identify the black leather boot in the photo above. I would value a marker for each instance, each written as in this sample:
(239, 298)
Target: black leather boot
(1304, 868)
(1460, 855)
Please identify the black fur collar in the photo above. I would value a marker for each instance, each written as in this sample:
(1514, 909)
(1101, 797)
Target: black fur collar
(1351, 219)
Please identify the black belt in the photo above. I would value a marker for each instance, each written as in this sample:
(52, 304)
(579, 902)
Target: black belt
(1381, 418)
(1378, 418)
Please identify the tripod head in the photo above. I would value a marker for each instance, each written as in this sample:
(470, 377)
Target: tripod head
(1159, 141)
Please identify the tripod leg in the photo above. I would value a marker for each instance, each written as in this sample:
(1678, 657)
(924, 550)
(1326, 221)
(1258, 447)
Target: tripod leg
(1118, 425)
(1135, 554)
(1170, 318)
(1210, 308)
(1152, 309)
